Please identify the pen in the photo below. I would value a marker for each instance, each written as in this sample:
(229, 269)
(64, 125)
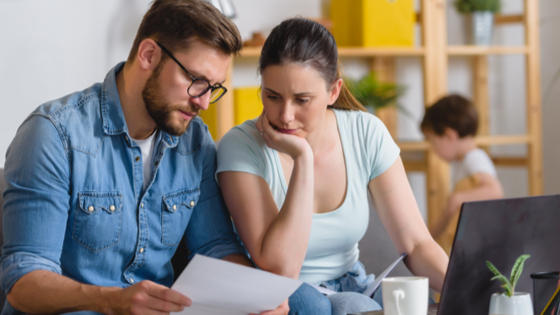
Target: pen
(552, 304)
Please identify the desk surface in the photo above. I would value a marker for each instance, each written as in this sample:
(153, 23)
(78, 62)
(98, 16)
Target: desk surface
(432, 310)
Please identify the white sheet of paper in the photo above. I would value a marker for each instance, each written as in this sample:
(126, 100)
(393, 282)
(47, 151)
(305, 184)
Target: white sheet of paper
(375, 284)
(325, 291)
(219, 287)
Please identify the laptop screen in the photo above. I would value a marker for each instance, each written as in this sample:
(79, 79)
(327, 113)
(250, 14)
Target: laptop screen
(499, 231)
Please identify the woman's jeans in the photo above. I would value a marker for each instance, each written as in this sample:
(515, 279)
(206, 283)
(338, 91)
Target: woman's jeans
(349, 299)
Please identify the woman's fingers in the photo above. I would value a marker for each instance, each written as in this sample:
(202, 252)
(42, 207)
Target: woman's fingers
(259, 123)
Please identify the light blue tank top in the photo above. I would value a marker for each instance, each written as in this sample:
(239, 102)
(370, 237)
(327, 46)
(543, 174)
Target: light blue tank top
(369, 151)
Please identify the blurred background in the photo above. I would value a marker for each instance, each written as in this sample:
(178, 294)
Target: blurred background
(52, 48)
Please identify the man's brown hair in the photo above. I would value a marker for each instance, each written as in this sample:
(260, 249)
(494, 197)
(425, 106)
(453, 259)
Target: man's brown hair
(453, 111)
(176, 23)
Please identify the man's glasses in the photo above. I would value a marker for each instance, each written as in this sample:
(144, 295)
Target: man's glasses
(199, 86)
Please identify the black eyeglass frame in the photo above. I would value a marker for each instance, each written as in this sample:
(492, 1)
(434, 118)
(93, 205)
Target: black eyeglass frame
(210, 87)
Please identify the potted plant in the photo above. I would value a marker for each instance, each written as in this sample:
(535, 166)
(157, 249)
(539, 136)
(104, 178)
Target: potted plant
(481, 18)
(375, 94)
(510, 302)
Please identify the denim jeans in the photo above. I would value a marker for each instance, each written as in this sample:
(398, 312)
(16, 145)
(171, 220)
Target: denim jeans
(308, 301)
(350, 286)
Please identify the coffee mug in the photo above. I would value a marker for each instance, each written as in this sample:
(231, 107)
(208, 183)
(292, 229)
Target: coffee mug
(405, 295)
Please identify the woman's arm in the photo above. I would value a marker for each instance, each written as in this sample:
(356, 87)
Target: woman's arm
(276, 240)
(399, 213)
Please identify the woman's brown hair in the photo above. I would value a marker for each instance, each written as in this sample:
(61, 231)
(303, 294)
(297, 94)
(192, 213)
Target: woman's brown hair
(306, 42)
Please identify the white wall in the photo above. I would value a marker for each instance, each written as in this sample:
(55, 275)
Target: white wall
(52, 48)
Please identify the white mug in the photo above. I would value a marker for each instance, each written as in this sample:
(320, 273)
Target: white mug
(405, 295)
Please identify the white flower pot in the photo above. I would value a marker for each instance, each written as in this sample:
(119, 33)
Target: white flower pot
(480, 25)
(519, 304)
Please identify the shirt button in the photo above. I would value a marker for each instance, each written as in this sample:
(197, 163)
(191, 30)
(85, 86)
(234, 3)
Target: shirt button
(174, 207)
(91, 208)
(192, 203)
(112, 208)
(137, 159)
(142, 205)
(141, 250)
(131, 280)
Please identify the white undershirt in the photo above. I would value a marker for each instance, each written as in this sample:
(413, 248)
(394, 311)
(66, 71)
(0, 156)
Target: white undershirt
(147, 148)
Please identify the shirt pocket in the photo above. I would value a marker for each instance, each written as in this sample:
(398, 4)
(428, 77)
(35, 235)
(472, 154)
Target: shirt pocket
(176, 213)
(97, 224)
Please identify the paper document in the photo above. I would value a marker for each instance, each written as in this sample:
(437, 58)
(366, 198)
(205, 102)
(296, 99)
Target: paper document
(323, 290)
(220, 287)
(375, 284)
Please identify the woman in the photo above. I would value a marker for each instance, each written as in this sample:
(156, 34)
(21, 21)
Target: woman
(296, 179)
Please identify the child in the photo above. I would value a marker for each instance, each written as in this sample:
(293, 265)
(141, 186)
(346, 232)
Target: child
(450, 126)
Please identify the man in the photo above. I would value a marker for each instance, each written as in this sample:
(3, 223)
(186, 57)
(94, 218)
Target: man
(103, 183)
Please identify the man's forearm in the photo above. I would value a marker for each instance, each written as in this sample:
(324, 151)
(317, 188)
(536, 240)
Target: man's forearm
(45, 292)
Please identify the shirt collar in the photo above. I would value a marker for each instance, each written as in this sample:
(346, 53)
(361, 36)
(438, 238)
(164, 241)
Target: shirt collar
(111, 108)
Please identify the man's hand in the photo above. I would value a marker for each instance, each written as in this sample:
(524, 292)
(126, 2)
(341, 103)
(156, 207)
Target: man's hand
(146, 297)
(283, 309)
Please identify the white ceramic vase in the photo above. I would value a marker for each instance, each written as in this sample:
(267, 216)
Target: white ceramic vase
(479, 28)
(519, 304)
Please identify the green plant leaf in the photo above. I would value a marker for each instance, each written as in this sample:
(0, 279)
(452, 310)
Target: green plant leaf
(516, 270)
(505, 284)
(470, 6)
(499, 276)
(508, 290)
(502, 279)
(373, 93)
(493, 269)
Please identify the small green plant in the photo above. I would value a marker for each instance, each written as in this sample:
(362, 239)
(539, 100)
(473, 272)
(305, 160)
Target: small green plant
(373, 93)
(470, 6)
(509, 284)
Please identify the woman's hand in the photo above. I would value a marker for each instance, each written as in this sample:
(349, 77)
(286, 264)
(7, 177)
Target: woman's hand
(292, 145)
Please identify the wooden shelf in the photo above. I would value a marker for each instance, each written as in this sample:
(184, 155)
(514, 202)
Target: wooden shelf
(413, 145)
(380, 51)
(255, 52)
(250, 52)
(480, 140)
(466, 50)
(471, 50)
(510, 18)
(502, 140)
(503, 161)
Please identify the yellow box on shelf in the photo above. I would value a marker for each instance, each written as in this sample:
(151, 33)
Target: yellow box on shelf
(247, 105)
(210, 118)
(373, 23)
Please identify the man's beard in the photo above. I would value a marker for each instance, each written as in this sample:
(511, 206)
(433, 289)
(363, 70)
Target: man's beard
(159, 109)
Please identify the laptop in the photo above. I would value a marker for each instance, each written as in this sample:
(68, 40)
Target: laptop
(499, 231)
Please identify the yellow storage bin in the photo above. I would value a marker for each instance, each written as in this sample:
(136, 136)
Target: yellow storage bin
(247, 105)
(372, 23)
(210, 118)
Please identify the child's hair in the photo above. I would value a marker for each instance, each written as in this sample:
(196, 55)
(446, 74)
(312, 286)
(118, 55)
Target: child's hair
(453, 111)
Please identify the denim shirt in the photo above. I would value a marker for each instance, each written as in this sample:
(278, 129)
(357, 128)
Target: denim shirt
(75, 205)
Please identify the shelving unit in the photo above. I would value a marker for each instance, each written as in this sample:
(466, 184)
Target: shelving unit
(434, 53)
